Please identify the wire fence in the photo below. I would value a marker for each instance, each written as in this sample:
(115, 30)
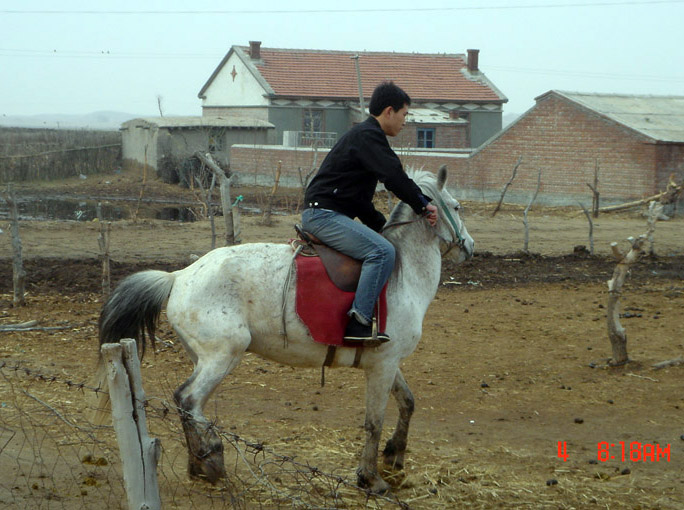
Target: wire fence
(53, 456)
(48, 154)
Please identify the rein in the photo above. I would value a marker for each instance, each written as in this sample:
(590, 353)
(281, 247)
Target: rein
(447, 213)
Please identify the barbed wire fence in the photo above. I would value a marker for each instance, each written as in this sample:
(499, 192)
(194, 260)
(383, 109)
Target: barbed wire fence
(53, 456)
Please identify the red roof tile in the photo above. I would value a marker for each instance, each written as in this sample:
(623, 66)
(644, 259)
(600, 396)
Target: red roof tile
(332, 74)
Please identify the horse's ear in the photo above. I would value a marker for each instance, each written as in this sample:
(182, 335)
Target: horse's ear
(441, 177)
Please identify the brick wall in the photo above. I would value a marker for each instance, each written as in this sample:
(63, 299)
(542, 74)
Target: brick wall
(565, 141)
(446, 136)
(257, 164)
(561, 138)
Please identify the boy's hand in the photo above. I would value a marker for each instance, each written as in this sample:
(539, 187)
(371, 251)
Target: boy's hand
(431, 214)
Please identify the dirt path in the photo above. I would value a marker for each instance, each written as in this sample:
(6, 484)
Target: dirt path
(512, 361)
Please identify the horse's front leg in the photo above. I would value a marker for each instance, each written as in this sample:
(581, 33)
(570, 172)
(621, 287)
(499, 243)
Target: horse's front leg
(395, 449)
(378, 384)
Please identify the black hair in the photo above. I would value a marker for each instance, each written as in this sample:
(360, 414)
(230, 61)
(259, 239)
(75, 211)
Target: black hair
(388, 94)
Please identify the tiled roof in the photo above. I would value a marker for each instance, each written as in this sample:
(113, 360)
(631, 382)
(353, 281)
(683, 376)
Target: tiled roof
(197, 122)
(332, 74)
(658, 117)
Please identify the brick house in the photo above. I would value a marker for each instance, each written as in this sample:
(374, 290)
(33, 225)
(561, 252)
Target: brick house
(312, 95)
(636, 141)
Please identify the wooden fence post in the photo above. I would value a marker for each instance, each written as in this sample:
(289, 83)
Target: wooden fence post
(616, 333)
(18, 272)
(103, 243)
(139, 453)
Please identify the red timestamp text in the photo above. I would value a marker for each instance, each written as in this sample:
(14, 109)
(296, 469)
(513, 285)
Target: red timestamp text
(623, 451)
(633, 451)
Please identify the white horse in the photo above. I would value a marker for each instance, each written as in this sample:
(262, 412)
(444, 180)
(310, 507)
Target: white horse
(229, 302)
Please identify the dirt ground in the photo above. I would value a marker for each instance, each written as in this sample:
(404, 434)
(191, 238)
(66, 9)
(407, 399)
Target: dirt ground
(513, 358)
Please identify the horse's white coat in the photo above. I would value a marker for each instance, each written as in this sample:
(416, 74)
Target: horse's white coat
(230, 301)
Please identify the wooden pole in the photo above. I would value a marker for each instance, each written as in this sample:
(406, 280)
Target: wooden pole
(142, 187)
(18, 272)
(356, 58)
(139, 453)
(103, 243)
(616, 333)
(672, 191)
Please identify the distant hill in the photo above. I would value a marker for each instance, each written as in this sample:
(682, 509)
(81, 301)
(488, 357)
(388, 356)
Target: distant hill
(509, 118)
(96, 120)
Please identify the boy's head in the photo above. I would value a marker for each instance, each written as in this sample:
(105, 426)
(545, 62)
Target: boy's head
(388, 94)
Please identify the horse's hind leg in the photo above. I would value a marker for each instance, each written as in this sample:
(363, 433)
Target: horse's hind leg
(205, 449)
(378, 384)
(395, 449)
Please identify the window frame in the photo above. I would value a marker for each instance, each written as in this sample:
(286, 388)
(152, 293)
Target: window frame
(422, 138)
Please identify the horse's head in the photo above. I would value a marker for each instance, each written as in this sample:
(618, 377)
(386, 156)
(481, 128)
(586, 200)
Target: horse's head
(450, 227)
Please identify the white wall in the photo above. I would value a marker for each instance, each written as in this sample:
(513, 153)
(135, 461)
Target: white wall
(245, 90)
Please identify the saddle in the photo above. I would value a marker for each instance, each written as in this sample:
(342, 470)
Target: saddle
(343, 270)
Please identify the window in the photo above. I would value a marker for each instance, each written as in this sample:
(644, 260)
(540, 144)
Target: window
(216, 140)
(313, 121)
(426, 138)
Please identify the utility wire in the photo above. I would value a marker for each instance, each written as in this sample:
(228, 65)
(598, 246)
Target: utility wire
(350, 11)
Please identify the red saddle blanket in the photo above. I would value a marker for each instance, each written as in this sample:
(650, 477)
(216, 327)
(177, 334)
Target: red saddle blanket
(322, 306)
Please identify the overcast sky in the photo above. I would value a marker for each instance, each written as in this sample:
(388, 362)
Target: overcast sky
(79, 57)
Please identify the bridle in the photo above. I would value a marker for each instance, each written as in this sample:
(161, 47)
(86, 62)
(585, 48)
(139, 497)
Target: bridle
(450, 244)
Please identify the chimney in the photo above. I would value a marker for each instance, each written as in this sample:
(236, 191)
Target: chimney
(472, 60)
(255, 50)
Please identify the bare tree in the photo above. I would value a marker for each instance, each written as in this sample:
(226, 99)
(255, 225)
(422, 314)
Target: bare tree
(616, 333)
(595, 192)
(224, 185)
(269, 205)
(159, 105)
(527, 209)
(591, 229)
(205, 197)
(304, 178)
(505, 188)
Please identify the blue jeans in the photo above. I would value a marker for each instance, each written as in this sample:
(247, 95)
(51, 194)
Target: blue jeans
(360, 242)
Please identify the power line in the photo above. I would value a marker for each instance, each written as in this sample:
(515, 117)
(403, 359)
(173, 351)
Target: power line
(347, 11)
(29, 53)
(106, 54)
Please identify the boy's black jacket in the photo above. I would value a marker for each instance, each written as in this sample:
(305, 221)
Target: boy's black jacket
(349, 174)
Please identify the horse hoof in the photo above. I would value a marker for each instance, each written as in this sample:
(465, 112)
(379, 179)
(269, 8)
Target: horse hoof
(392, 457)
(207, 470)
(374, 484)
(394, 463)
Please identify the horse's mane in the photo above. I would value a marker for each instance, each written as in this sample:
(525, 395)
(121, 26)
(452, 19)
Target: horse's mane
(426, 181)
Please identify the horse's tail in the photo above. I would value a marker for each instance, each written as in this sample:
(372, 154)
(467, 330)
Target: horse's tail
(131, 311)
